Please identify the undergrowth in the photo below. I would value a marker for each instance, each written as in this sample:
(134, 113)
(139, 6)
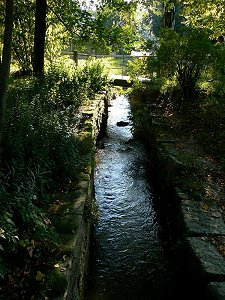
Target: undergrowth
(202, 122)
(41, 152)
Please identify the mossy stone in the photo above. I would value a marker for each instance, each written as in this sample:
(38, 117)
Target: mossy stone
(56, 283)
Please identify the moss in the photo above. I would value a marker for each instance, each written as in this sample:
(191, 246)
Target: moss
(84, 177)
(87, 141)
(68, 224)
(56, 283)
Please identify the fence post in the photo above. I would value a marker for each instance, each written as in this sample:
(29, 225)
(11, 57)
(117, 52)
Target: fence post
(123, 65)
(75, 57)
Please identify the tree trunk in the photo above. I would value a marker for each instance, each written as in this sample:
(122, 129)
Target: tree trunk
(39, 37)
(5, 62)
(168, 14)
(167, 22)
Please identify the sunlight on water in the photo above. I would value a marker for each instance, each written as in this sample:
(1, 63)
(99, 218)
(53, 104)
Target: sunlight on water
(129, 262)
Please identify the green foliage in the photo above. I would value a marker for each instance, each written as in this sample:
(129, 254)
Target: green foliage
(115, 26)
(56, 39)
(56, 283)
(23, 34)
(140, 98)
(65, 22)
(94, 75)
(137, 67)
(42, 152)
(185, 56)
(205, 14)
(111, 27)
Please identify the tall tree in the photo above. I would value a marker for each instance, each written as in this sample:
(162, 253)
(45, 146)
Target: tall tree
(168, 13)
(39, 37)
(116, 25)
(5, 61)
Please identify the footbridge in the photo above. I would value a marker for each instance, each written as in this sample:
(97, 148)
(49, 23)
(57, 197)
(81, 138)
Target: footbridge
(125, 81)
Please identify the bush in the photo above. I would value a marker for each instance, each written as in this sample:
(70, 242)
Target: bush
(137, 68)
(41, 152)
(185, 55)
(93, 76)
(141, 97)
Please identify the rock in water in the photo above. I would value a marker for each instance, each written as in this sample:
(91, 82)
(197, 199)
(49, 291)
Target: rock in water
(122, 123)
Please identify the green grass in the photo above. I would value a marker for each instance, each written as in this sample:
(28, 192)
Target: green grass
(113, 65)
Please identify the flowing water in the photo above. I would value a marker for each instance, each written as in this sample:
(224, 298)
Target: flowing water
(129, 261)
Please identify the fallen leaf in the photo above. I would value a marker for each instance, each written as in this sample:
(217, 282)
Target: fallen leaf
(31, 252)
(39, 276)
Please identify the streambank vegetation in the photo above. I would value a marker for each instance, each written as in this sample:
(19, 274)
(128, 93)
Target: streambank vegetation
(42, 154)
(40, 100)
(184, 104)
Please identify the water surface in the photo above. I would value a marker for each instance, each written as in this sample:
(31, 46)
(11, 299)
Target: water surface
(129, 261)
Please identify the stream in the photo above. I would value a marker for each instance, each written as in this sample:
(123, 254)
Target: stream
(129, 260)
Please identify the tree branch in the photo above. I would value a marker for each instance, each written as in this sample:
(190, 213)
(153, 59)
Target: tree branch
(61, 21)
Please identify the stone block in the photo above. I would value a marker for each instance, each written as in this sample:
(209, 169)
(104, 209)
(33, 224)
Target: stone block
(216, 291)
(210, 264)
(78, 206)
(199, 219)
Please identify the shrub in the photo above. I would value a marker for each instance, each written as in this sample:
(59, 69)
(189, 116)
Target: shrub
(137, 68)
(93, 76)
(141, 96)
(185, 56)
(41, 152)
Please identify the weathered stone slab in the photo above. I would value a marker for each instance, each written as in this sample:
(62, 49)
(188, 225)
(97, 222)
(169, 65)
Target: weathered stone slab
(216, 291)
(180, 195)
(166, 141)
(211, 263)
(78, 206)
(199, 219)
(83, 185)
(174, 165)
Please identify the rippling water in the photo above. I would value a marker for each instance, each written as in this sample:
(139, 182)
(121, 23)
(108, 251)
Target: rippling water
(129, 261)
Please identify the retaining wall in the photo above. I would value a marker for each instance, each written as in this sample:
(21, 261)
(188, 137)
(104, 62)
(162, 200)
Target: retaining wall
(195, 221)
(75, 217)
(95, 121)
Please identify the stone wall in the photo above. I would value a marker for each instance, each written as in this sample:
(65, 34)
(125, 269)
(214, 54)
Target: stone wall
(74, 211)
(94, 123)
(195, 222)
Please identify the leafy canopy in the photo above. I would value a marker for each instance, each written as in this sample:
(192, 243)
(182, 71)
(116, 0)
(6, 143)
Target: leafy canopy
(185, 56)
(205, 14)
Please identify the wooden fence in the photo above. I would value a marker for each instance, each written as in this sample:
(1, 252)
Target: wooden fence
(122, 59)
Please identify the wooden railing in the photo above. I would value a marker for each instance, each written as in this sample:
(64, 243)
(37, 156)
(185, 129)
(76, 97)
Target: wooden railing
(124, 58)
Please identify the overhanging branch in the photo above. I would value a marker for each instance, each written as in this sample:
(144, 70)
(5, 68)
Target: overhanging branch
(62, 21)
